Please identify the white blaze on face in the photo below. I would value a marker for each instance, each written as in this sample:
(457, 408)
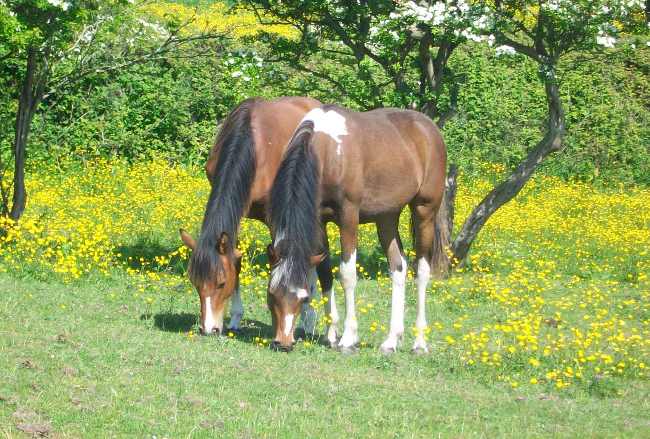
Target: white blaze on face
(211, 321)
(328, 122)
(288, 324)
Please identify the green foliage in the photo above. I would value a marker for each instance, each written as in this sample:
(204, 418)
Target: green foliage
(174, 107)
(501, 111)
(174, 104)
(170, 107)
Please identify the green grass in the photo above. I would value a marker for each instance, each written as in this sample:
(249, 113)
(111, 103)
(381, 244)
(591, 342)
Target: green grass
(92, 359)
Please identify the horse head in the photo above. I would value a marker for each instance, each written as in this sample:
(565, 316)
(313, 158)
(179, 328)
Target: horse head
(285, 300)
(214, 282)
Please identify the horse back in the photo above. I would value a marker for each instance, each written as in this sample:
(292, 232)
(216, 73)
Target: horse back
(387, 158)
(272, 123)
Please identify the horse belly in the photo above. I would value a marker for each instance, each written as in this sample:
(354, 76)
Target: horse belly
(388, 194)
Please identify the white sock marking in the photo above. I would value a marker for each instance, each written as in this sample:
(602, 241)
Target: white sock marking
(330, 308)
(424, 273)
(397, 308)
(349, 280)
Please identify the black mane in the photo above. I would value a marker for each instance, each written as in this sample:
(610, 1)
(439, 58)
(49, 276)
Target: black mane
(294, 208)
(230, 192)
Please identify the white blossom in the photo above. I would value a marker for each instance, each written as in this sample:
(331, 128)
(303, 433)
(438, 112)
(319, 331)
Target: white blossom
(505, 50)
(60, 4)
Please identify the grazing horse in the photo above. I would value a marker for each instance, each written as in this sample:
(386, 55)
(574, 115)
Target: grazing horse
(351, 168)
(241, 168)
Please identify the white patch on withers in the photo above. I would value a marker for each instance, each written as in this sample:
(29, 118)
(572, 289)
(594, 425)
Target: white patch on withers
(328, 122)
(210, 321)
(288, 324)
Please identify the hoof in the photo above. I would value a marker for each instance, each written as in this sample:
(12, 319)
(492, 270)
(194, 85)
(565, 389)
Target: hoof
(277, 347)
(387, 350)
(300, 334)
(420, 350)
(348, 350)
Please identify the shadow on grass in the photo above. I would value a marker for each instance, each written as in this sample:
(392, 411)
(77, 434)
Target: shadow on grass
(173, 322)
(249, 331)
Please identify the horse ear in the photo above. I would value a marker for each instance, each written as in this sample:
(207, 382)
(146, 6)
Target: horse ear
(317, 259)
(223, 246)
(187, 239)
(272, 254)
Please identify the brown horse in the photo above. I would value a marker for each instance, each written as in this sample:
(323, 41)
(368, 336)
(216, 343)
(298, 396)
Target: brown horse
(354, 168)
(241, 168)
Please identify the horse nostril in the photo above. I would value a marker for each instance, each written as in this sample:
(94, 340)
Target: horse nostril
(278, 347)
(214, 331)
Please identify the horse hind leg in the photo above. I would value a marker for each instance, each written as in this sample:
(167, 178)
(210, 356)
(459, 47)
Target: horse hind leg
(387, 230)
(423, 224)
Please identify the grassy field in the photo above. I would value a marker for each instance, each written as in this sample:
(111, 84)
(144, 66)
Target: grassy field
(545, 332)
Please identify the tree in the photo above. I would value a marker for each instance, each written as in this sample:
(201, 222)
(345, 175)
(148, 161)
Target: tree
(399, 52)
(545, 31)
(47, 46)
(412, 41)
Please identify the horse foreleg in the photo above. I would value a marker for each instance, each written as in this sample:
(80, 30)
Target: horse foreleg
(423, 218)
(392, 245)
(349, 224)
(236, 310)
(326, 279)
(307, 312)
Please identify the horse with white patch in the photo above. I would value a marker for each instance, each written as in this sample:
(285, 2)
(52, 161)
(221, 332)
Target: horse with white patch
(350, 168)
(241, 168)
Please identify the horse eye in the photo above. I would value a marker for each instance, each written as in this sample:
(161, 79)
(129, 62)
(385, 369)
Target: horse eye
(221, 285)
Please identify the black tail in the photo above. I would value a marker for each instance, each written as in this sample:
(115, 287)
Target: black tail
(231, 188)
(294, 208)
(439, 259)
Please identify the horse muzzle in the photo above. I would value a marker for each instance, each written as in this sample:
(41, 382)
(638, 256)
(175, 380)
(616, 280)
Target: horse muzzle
(279, 347)
(215, 331)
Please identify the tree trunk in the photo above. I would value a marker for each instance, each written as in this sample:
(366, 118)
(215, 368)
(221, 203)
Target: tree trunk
(450, 197)
(509, 188)
(30, 95)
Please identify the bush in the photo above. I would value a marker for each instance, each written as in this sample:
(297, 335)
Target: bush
(172, 108)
